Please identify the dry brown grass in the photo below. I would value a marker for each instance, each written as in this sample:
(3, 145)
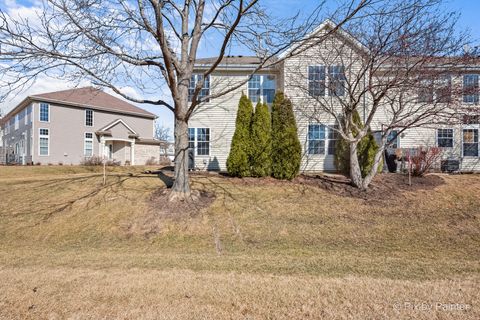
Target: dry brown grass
(73, 248)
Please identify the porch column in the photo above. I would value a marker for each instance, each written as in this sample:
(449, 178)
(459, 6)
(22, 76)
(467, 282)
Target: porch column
(132, 152)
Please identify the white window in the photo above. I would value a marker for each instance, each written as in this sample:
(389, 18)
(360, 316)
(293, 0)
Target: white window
(336, 78)
(199, 140)
(470, 88)
(261, 88)
(470, 142)
(44, 113)
(89, 117)
(445, 138)
(88, 144)
(204, 92)
(438, 89)
(316, 81)
(17, 121)
(321, 138)
(43, 142)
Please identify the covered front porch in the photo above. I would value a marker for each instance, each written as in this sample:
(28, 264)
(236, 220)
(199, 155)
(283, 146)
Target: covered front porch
(117, 150)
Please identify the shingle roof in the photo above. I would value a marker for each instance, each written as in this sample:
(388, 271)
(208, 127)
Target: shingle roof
(93, 98)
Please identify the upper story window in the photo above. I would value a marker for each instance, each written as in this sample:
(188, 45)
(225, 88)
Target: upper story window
(425, 91)
(336, 77)
(261, 88)
(443, 89)
(445, 138)
(89, 117)
(12, 124)
(44, 113)
(470, 88)
(435, 90)
(17, 121)
(316, 81)
(204, 92)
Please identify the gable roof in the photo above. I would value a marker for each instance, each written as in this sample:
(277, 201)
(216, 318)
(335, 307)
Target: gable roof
(325, 25)
(114, 123)
(93, 98)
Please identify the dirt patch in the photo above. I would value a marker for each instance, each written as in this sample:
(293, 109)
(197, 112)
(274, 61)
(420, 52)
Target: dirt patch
(383, 187)
(163, 208)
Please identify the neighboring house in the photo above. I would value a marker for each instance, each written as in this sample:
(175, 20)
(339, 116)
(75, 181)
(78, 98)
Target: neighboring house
(213, 123)
(70, 126)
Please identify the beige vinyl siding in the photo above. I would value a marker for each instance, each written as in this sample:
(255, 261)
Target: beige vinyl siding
(219, 115)
(307, 109)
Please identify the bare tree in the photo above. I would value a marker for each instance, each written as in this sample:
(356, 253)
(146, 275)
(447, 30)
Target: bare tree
(162, 133)
(149, 45)
(394, 67)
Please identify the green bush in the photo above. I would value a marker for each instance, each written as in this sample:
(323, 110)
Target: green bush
(366, 149)
(261, 135)
(238, 162)
(286, 148)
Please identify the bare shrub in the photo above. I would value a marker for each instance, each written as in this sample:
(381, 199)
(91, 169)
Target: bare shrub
(422, 159)
(151, 162)
(92, 161)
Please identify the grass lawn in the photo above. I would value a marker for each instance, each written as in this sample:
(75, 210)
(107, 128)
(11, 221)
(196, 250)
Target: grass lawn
(73, 248)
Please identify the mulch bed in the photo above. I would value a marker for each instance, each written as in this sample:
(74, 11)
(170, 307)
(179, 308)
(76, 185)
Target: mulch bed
(384, 186)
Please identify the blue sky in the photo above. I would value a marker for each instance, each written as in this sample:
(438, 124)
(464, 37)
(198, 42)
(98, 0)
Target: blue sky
(468, 9)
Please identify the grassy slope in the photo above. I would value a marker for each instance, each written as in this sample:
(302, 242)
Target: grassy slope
(263, 249)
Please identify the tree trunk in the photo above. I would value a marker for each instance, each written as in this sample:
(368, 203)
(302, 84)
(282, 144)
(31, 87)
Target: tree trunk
(355, 171)
(181, 184)
(378, 159)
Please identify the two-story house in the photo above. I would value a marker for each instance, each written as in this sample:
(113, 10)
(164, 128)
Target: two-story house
(70, 126)
(317, 72)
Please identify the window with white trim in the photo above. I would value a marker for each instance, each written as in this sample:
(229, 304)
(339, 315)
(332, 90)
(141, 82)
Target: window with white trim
(316, 139)
(261, 88)
(470, 88)
(12, 124)
(43, 142)
(199, 140)
(443, 88)
(316, 81)
(425, 91)
(470, 142)
(17, 121)
(320, 139)
(445, 138)
(204, 92)
(44, 114)
(88, 144)
(89, 117)
(332, 139)
(336, 79)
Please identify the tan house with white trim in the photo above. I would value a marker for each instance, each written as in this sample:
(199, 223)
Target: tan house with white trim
(213, 123)
(69, 126)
